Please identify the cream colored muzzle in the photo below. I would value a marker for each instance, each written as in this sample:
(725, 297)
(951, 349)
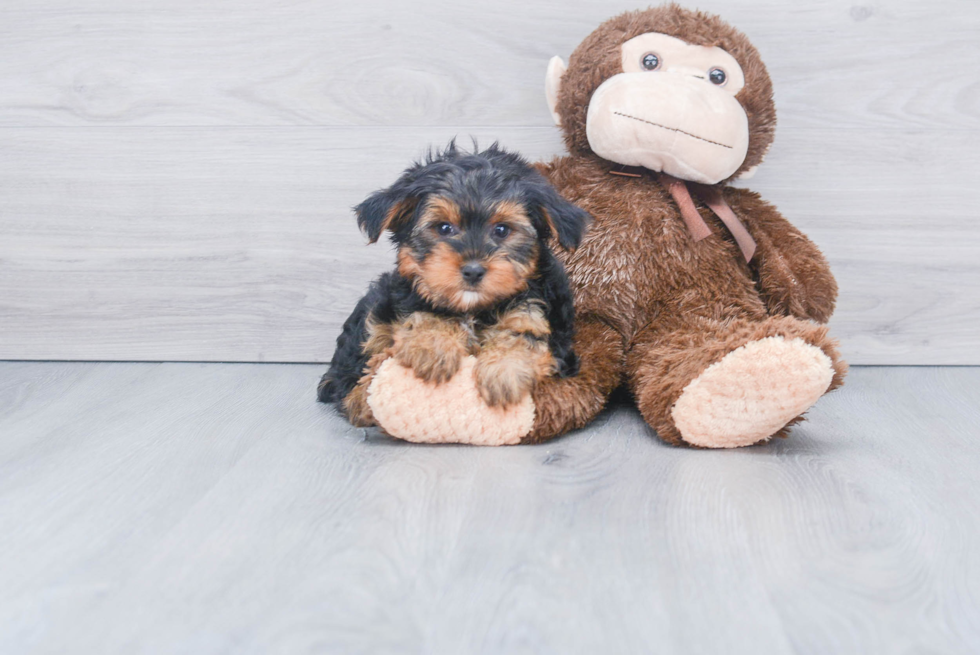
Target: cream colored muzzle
(670, 121)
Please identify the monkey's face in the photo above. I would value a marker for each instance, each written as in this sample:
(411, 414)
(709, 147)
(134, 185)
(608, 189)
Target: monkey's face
(672, 109)
(467, 257)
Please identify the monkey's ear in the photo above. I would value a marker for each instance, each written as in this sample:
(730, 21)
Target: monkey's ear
(552, 83)
(388, 209)
(552, 215)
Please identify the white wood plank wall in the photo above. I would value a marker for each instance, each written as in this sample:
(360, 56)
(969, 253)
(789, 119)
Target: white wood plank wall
(176, 176)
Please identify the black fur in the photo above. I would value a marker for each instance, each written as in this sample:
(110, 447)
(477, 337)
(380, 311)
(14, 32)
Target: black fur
(493, 174)
(473, 181)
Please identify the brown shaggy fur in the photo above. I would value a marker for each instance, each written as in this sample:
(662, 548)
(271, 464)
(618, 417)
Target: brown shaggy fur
(563, 404)
(654, 307)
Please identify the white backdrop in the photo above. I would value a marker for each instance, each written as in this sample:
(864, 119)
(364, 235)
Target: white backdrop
(176, 175)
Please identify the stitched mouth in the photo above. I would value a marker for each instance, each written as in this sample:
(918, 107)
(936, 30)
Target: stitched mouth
(673, 129)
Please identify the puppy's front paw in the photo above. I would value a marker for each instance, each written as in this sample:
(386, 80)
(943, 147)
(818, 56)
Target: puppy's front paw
(433, 348)
(504, 377)
(433, 364)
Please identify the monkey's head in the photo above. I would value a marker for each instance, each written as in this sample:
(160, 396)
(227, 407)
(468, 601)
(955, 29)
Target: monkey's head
(667, 89)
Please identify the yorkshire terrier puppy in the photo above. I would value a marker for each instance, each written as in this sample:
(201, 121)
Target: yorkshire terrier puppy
(475, 276)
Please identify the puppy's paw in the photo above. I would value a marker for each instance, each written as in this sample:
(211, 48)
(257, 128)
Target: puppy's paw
(504, 377)
(436, 364)
(432, 347)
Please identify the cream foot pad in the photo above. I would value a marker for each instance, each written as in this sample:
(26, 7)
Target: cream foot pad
(752, 392)
(452, 412)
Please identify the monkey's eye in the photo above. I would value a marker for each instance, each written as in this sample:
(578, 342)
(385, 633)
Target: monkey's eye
(500, 231)
(650, 61)
(717, 76)
(445, 229)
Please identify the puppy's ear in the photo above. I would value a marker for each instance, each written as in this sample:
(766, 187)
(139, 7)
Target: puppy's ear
(388, 209)
(553, 215)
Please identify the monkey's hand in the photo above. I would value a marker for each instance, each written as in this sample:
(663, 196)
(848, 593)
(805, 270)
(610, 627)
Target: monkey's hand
(794, 277)
(430, 345)
(797, 283)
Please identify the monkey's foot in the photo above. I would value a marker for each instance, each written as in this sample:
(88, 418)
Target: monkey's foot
(450, 412)
(752, 393)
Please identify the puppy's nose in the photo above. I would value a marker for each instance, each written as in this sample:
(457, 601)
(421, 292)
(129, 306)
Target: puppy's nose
(473, 272)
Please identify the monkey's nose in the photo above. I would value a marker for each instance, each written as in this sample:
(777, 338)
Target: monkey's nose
(473, 272)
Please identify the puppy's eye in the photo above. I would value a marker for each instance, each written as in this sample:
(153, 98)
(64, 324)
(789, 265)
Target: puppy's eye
(650, 61)
(717, 76)
(445, 229)
(501, 231)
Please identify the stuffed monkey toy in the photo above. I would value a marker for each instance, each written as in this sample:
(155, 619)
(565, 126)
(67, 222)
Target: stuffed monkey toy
(699, 296)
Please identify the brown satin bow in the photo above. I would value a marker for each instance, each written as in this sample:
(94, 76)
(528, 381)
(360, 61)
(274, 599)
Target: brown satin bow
(713, 198)
(715, 201)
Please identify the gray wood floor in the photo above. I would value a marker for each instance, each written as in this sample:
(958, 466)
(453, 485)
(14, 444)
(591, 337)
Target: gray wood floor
(209, 508)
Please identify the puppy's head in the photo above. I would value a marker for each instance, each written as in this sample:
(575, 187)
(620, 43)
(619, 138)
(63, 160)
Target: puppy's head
(469, 226)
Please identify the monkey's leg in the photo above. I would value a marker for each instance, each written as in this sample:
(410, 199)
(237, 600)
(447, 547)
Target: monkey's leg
(563, 404)
(724, 384)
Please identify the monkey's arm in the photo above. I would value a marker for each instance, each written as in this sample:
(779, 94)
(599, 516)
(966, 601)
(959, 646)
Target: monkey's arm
(563, 404)
(794, 277)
